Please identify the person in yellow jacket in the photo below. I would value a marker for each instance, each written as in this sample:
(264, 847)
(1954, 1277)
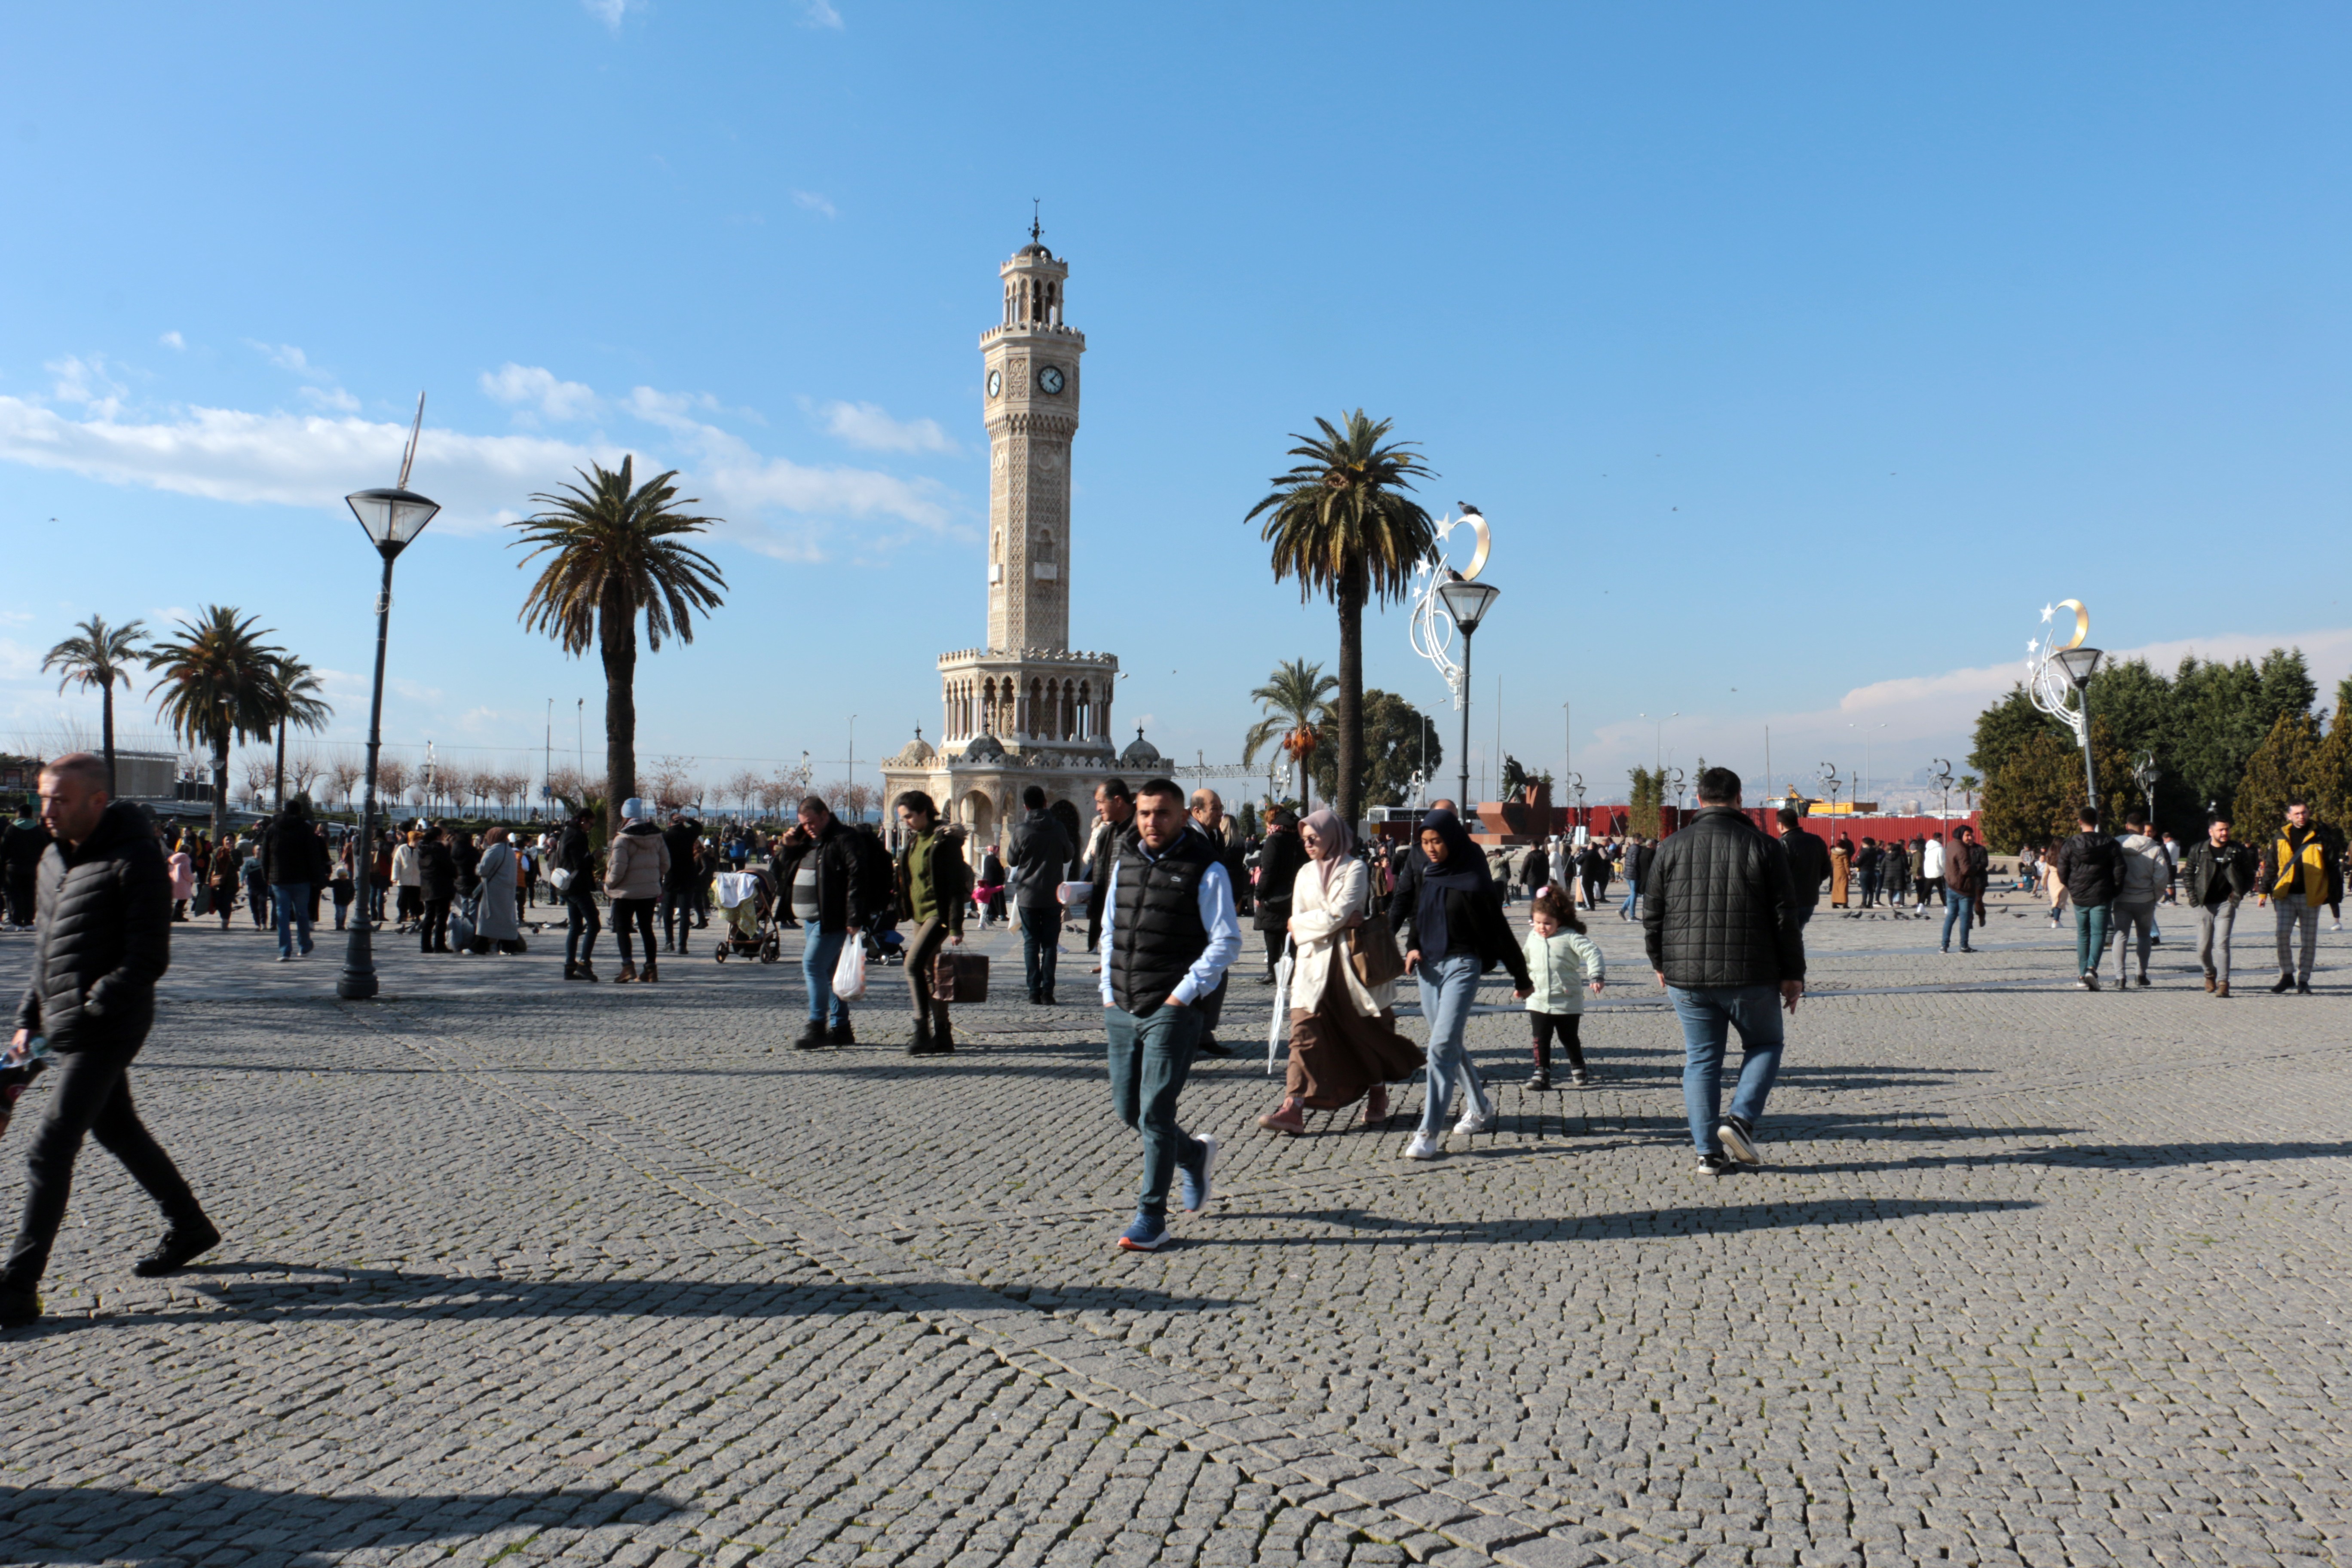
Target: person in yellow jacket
(2302, 869)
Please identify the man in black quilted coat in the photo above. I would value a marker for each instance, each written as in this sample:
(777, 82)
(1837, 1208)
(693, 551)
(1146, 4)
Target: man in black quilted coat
(103, 938)
(1723, 923)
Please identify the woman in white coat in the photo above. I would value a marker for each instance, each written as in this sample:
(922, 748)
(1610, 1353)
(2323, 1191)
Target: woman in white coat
(1344, 1044)
(495, 921)
(408, 877)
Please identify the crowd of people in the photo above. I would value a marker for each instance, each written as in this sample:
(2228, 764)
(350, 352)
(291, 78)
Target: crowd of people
(1161, 884)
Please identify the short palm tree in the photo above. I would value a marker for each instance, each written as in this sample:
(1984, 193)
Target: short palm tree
(1298, 703)
(296, 696)
(98, 657)
(613, 552)
(218, 685)
(1343, 526)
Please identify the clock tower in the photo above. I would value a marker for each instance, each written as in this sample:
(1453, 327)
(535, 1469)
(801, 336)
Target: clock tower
(1030, 399)
(1025, 707)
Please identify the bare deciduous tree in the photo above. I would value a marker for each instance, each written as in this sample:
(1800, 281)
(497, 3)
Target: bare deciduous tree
(344, 774)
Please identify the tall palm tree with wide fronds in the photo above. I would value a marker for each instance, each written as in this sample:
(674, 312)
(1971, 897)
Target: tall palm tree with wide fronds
(98, 656)
(1342, 524)
(296, 695)
(613, 552)
(218, 684)
(1298, 703)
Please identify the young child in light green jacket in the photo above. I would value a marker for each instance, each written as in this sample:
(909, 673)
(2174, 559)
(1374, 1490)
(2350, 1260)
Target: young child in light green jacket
(1562, 962)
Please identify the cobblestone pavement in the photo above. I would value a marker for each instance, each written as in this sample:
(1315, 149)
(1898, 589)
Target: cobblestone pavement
(527, 1272)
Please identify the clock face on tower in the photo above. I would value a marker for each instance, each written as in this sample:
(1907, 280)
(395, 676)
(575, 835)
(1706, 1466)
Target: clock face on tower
(995, 381)
(1049, 379)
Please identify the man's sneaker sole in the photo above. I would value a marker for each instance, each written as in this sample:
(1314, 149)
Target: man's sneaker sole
(1144, 1244)
(1424, 1147)
(1737, 1145)
(1714, 1165)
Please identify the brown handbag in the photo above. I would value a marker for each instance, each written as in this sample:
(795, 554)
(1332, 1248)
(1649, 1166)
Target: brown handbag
(1372, 950)
(960, 977)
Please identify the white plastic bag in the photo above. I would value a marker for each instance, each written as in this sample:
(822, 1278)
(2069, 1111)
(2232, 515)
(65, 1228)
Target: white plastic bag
(849, 974)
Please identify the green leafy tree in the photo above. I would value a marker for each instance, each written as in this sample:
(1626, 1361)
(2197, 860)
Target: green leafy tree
(1648, 792)
(2035, 797)
(217, 686)
(99, 656)
(1399, 742)
(614, 553)
(2005, 727)
(2291, 764)
(295, 694)
(1343, 525)
(1296, 702)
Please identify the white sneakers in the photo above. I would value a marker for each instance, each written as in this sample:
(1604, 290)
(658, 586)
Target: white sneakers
(1424, 1146)
(1474, 1120)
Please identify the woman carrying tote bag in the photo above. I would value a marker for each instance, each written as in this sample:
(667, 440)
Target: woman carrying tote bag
(1344, 1045)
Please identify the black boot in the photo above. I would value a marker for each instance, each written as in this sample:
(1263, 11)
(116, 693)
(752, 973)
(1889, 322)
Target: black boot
(922, 1042)
(811, 1037)
(942, 1032)
(19, 1305)
(180, 1243)
(840, 1034)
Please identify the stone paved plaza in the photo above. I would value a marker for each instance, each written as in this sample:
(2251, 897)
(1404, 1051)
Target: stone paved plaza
(526, 1272)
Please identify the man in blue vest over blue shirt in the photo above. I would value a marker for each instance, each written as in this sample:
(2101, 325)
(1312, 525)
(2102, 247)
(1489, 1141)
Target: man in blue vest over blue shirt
(1170, 933)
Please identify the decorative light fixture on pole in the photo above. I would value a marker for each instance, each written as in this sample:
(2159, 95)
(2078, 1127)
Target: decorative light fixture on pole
(1467, 603)
(392, 518)
(1943, 778)
(2056, 671)
(1431, 629)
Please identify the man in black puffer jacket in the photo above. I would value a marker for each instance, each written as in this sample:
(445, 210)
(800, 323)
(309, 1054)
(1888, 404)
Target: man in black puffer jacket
(104, 924)
(1722, 922)
(2089, 870)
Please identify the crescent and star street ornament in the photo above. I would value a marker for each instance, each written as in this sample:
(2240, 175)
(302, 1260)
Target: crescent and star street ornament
(1432, 628)
(2053, 690)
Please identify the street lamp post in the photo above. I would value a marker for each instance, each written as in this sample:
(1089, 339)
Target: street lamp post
(1467, 603)
(392, 518)
(2080, 664)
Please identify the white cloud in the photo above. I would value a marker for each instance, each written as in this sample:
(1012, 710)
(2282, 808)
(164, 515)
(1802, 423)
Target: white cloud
(525, 383)
(172, 341)
(284, 356)
(866, 425)
(820, 14)
(86, 382)
(333, 398)
(610, 12)
(810, 202)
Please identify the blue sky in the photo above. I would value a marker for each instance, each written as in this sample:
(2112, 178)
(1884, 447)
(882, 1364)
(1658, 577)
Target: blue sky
(1797, 357)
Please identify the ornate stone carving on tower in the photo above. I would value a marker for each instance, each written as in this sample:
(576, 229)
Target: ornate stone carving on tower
(1024, 709)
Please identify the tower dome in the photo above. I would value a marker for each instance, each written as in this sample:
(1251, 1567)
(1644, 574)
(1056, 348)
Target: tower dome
(1141, 755)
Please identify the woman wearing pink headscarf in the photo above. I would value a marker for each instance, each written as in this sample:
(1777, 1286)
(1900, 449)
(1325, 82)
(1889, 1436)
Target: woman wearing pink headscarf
(1344, 1045)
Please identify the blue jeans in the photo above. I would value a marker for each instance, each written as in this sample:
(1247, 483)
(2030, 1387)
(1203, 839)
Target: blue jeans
(1708, 1014)
(820, 951)
(1448, 986)
(291, 903)
(1633, 891)
(1150, 1058)
(1041, 936)
(1962, 908)
(2090, 938)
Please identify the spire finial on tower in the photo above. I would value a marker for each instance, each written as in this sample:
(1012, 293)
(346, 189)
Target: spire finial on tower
(1036, 228)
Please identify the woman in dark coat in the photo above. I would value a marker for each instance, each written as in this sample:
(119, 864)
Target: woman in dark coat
(1449, 918)
(1279, 859)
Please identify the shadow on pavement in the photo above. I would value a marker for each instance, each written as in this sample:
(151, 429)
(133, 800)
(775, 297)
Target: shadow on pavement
(92, 1523)
(1378, 1230)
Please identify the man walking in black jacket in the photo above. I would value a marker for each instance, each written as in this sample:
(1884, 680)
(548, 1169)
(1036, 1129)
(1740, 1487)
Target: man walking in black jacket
(683, 836)
(576, 857)
(103, 905)
(1809, 862)
(436, 868)
(294, 859)
(2220, 874)
(1041, 851)
(1719, 917)
(2089, 870)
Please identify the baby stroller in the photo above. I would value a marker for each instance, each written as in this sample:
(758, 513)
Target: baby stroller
(747, 903)
(883, 943)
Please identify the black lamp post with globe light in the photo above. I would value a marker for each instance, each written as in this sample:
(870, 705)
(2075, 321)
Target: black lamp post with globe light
(392, 518)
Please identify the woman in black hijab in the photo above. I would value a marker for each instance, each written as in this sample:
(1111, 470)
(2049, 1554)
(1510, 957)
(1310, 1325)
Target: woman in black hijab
(1448, 915)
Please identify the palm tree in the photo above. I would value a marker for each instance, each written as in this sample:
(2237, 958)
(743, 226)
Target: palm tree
(99, 657)
(1344, 527)
(612, 552)
(294, 694)
(1296, 705)
(219, 685)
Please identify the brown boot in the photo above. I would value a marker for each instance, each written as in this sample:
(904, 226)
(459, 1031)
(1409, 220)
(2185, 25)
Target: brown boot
(651, 973)
(1376, 1105)
(2210, 983)
(2221, 988)
(628, 972)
